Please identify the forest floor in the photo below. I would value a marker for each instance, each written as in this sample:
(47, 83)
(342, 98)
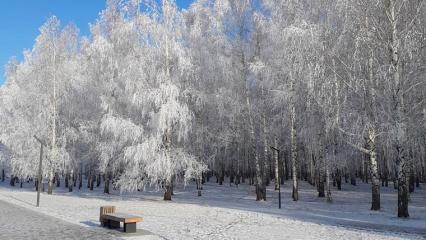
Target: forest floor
(228, 212)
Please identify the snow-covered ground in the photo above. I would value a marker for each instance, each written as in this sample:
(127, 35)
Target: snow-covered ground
(18, 223)
(227, 212)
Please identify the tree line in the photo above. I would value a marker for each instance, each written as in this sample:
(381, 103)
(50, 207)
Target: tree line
(319, 91)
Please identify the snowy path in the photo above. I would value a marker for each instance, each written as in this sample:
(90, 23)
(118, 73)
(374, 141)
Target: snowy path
(20, 223)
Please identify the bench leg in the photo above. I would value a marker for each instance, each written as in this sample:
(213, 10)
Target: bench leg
(113, 224)
(104, 223)
(130, 227)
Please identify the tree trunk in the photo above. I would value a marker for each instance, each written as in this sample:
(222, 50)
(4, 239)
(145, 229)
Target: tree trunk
(395, 183)
(329, 198)
(295, 193)
(333, 176)
(266, 171)
(339, 179)
(92, 181)
(327, 177)
(58, 180)
(67, 177)
(238, 176)
(366, 170)
(74, 179)
(402, 193)
(168, 190)
(312, 170)
(50, 185)
(321, 188)
(398, 97)
(320, 171)
(221, 176)
(411, 181)
(277, 166)
(417, 181)
(89, 180)
(2, 175)
(70, 184)
(106, 183)
(231, 176)
(199, 185)
(80, 184)
(260, 186)
(12, 181)
(346, 176)
(375, 182)
(402, 184)
(385, 171)
(98, 180)
(353, 179)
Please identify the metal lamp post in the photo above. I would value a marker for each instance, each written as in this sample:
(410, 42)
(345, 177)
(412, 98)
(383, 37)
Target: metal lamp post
(278, 177)
(39, 181)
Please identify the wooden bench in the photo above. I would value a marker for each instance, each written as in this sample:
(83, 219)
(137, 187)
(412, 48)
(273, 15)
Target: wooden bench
(109, 218)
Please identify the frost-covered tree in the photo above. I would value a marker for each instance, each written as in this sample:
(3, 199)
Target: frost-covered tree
(146, 118)
(157, 96)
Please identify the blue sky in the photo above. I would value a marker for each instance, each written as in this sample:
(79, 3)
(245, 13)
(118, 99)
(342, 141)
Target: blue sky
(20, 20)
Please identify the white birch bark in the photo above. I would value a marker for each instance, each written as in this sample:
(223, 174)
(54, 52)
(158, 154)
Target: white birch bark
(260, 189)
(277, 166)
(265, 149)
(399, 128)
(54, 114)
(294, 153)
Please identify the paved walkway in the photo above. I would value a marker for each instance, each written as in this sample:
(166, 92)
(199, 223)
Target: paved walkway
(20, 223)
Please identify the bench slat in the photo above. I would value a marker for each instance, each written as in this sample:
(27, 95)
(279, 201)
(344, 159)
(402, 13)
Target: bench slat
(123, 218)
